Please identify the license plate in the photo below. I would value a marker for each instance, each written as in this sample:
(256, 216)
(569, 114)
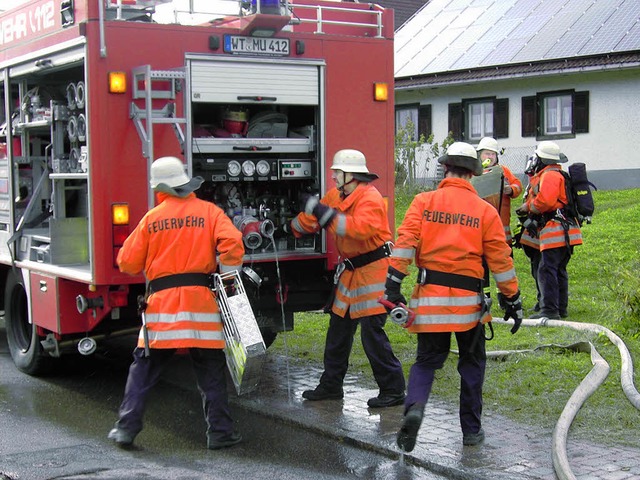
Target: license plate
(256, 45)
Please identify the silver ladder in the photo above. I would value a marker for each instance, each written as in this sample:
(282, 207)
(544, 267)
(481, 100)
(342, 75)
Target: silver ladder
(146, 117)
(166, 115)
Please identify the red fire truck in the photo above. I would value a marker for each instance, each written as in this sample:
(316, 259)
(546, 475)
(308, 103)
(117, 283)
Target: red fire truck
(257, 103)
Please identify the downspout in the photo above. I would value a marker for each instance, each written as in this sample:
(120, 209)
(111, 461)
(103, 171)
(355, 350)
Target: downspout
(103, 45)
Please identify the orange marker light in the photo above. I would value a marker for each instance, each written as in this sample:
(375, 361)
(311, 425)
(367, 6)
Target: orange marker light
(380, 92)
(120, 214)
(117, 82)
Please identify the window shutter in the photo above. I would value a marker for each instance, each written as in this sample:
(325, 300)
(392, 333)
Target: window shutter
(455, 120)
(529, 116)
(424, 121)
(581, 112)
(501, 118)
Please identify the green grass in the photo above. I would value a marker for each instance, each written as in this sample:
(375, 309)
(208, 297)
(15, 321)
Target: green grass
(534, 387)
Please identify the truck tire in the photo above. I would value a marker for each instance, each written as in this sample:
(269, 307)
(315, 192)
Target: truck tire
(24, 344)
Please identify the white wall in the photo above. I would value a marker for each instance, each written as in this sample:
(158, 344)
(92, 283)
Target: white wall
(614, 116)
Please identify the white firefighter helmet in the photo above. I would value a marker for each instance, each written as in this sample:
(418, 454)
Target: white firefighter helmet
(488, 143)
(461, 154)
(548, 152)
(168, 176)
(353, 161)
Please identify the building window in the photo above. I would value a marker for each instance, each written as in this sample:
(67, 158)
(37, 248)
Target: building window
(555, 114)
(418, 115)
(473, 119)
(480, 120)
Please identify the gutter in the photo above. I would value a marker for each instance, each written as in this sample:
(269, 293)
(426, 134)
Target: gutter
(529, 70)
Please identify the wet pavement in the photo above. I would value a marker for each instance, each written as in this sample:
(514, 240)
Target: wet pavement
(511, 450)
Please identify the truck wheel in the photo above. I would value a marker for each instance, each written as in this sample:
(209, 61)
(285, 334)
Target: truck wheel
(22, 337)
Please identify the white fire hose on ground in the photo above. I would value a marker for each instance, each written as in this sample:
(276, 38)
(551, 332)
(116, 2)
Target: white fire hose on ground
(589, 384)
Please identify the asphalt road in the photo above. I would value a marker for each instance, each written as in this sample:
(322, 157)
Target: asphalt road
(55, 427)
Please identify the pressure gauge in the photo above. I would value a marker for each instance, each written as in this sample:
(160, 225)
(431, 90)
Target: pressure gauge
(248, 168)
(233, 168)
(263, 168)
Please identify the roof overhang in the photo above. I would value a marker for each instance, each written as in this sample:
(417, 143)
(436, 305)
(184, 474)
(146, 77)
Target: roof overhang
(599, 63)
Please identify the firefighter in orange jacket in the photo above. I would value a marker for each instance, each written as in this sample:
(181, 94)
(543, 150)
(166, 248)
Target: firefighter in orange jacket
(175, 245)
(555, 232)
(488, 154)
(354, 213)
(448, 232)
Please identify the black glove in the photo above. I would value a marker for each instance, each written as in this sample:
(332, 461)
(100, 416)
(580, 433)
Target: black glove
(392, 287)
(323, 213)
(513, 309)
(531, 226)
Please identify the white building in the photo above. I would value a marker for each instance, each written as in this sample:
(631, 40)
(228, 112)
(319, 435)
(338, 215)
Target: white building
(524, 71)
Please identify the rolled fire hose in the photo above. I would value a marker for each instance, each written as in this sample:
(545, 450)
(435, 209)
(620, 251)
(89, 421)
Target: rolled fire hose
(82, 128)
(72, 128)
(589, 384)
(80, 93)
(71, 96)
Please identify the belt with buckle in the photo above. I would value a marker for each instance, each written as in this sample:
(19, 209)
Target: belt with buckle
(369, 257)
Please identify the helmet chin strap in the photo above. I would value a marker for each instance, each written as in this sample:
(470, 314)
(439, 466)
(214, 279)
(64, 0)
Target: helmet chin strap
(341, 186)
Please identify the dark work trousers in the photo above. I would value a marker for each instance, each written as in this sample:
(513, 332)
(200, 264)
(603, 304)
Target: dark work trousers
(387, 369)
(533, 254)
(209, 366)
(433, 349)
(554, 280)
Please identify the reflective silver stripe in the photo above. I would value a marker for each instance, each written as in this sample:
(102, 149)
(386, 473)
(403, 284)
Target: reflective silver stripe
(188, 334)
(407, 253)
(229, 268)
(210, 317)
(548, 241)
(555, 228)
(326, 217)
(447, 319)
(341, 225)
(366, 305)
(552, 240)
(339, 304)
(297, 226)
(376, 287)
(504, 276)
(445, 301)
(528, 238)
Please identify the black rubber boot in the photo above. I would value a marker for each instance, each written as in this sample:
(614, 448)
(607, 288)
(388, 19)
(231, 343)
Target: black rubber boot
(322, 393)
(409, 431)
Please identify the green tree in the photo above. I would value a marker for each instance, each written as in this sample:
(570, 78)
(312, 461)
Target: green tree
(410, 152)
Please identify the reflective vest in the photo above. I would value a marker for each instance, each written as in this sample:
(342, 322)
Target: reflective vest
(360, 226)
(182, 235)
(450, 230)
(548, 196)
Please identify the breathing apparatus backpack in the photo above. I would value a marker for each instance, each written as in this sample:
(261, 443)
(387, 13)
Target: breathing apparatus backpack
(578, 190)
